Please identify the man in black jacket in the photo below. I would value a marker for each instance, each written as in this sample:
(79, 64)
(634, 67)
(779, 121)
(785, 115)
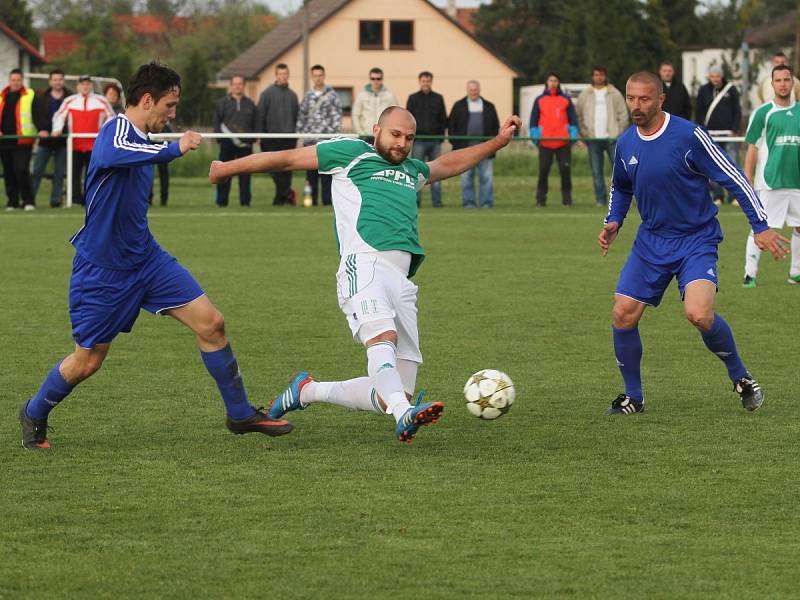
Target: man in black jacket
(45, 105)
(677, 101)
(235, 113)
(474, 116)
(719, 109)
(428, 109)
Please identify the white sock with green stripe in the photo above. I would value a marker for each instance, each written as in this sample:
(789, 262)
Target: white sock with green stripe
(751, 256)
(382, 369)
(357, 394)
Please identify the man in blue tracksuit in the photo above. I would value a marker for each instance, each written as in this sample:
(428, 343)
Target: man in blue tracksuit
(666, 162)
(119, 268)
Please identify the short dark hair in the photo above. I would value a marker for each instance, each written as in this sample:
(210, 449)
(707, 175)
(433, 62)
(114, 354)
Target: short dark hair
(317, 68)
(552, 74)
(377, 70)
(599, 69)
(648, 77)
(280, 66)
(15, 72)
(425, 74)
(781, 68)
(111, 85)
(237, 76)
(779, 53)
(666, 63)
(154, 79)
(55, 72)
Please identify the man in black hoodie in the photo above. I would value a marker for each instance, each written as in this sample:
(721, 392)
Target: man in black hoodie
(428, 109)
(45, 105)
(677, 101)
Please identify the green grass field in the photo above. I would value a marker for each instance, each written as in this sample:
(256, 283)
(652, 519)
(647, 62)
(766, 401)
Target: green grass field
(145, 494)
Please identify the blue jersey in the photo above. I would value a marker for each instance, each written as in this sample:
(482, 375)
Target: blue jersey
(115, 234)
(668, 172)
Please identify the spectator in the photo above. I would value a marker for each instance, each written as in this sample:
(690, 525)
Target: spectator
(765, 91)
(320, 112)
(235, 113)
(677, 100)
(370, 103)
(475, 116)
(113, 94)
(16, 104)
(277, 113)
(718, 109)
(553, 116)
(428, 109)
(84, 112)
(602, 115)
(45, 105)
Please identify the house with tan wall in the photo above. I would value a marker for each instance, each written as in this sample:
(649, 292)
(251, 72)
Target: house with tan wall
(402, 37)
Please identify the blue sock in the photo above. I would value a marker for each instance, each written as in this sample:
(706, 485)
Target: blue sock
(221, 364)
(54, 389)
(719, 339)
(628, 351)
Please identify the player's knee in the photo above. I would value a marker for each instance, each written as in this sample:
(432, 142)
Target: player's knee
(90, 366)
(212, 327)
(700, 319)
(623, 317)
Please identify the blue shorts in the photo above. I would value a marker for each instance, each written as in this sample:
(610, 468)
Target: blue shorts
(105, 302)
(655, 260)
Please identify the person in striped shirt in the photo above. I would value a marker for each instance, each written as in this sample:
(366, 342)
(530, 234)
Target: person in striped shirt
(119, 268)
(666, 162)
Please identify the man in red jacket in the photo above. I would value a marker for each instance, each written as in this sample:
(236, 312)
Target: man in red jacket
(84, 112)
(554, 116)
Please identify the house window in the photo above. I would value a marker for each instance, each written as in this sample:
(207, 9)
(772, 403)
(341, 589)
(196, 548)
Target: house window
(370, 35)
(345, 99)
(401, 35)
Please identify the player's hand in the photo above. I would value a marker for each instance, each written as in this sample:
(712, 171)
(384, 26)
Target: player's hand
(607, 235)
(510, 126)
(190, 141)
(774, 242)
(214, 175)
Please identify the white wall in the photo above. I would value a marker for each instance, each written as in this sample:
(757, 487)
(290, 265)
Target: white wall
(9, 59)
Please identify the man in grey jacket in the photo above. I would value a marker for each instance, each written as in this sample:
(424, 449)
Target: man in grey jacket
(277, 113)
(602, 116)
(235, 113)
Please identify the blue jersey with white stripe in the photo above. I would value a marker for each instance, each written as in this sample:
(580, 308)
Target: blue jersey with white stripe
(668, 172)
(115, 234)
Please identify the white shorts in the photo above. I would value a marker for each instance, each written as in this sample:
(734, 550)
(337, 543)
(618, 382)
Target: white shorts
(371, 289)
(782, 206)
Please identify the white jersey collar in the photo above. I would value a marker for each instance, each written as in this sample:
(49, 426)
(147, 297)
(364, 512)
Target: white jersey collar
(662, 129)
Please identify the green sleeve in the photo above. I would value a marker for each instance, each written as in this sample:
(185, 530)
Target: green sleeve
(756, 127)
(423, 172)
(337, 153)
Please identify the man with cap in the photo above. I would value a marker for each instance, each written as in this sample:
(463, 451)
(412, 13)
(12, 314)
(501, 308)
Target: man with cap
(84, 112)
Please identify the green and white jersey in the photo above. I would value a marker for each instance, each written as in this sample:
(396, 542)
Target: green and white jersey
(775, 131)
(374, 201)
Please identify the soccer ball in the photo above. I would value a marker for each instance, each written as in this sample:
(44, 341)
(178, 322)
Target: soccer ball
(489, 394)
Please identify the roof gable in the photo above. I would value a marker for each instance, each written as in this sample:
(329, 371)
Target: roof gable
(21, 42)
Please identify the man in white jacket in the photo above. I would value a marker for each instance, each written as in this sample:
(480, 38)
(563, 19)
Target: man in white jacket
(370, 103)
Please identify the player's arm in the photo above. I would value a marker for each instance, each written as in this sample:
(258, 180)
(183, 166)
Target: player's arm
(297, 159)
(621, 196)
(750, 160)
(459, 161)
(114, 150)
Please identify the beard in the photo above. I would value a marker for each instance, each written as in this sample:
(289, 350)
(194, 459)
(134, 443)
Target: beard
(390, 154)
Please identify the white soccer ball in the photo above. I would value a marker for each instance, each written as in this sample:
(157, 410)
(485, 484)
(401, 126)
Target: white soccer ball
(489, 394)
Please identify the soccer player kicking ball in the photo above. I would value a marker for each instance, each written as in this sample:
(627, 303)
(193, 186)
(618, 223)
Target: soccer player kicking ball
(119, 268)
(666, 162)
(374, 192)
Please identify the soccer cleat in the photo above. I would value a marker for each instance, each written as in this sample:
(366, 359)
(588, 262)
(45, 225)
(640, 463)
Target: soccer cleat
(793, 279)
(416, 417)
(750, 392)
(748, 282)
(34, 433)
(289, 399)
(625, 405)
(258, 423)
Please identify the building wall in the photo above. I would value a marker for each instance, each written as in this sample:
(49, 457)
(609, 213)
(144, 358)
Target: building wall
(439, 47)
(11, 57)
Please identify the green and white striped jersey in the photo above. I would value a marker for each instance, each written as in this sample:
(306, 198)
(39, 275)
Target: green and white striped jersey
(775, 131)
(374, 201)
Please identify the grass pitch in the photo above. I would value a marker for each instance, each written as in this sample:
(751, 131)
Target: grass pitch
(145, 494)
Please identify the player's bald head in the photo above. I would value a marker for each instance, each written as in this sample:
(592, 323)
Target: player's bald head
(647, 78)
(397, 115)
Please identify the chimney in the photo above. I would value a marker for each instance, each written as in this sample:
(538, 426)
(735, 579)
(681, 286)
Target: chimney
(451, 9)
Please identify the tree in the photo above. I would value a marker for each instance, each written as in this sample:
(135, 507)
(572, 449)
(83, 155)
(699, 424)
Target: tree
(18, 16)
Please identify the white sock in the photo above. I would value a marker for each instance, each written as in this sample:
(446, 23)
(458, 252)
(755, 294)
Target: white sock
(357, 394)
(751, 256)
(794, 270)
(382, 369)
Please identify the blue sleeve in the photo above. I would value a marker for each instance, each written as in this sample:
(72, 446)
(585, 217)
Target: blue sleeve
(621, 193)
(534, 122)
(572, 114)
(707, 158)
(114, 149)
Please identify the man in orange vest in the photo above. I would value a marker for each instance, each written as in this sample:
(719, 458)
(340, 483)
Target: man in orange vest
(17, 120)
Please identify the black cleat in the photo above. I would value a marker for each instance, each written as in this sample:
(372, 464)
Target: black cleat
(34, 433)
(750, 392)
(625, 405)
(258, 423)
